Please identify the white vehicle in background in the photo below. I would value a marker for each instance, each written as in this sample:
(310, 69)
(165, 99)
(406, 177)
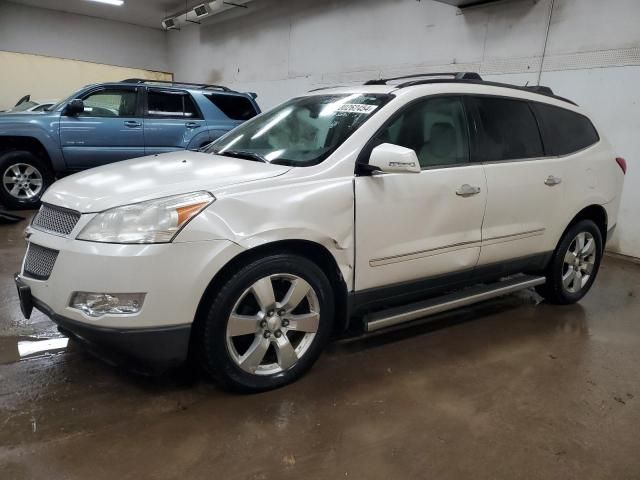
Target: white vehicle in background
(345, 209)
(28, 105)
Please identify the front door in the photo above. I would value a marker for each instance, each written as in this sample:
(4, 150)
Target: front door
(414, 226)
(109, 129)
(172, 120)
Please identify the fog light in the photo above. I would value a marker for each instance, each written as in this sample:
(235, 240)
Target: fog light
(98, 304)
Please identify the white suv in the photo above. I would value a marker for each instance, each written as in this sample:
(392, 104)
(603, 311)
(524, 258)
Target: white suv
(351, 209)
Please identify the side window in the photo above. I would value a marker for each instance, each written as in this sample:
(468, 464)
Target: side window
(170, 104)
(117, 102)
(564, 131)
(508, 130)
(435, 129)
(190, 109)
(233, 106)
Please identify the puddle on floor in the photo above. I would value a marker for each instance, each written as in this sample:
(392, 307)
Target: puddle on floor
(15, 349)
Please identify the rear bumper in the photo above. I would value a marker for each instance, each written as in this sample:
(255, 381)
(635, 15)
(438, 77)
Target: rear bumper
(610, 233)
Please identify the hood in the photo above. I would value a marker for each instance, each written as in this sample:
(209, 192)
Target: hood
(16, 116)
(156, 176)
(26, 113)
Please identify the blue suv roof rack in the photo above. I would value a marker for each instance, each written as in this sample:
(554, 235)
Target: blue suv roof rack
(204, 86)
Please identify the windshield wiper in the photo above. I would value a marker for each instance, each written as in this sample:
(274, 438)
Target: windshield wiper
(256, 157)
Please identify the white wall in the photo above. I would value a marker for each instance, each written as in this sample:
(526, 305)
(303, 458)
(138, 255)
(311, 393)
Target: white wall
(281, 49)
(52, 33)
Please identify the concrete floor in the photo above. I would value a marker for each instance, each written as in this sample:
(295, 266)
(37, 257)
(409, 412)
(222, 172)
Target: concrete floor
(508, 389)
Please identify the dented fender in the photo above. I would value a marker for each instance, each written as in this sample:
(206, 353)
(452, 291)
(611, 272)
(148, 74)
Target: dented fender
(319, 211)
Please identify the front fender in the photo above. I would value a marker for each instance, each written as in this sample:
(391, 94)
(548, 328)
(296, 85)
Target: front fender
(318, 211)
(43, 128)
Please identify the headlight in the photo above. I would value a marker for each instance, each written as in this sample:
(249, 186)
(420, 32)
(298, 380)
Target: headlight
(155, 221)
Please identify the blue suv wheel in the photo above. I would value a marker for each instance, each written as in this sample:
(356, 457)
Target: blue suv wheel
(24, 178)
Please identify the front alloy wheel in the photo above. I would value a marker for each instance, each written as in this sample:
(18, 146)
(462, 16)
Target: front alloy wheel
(22, 181)
(24, 177)
(266, 325)
(273, 324)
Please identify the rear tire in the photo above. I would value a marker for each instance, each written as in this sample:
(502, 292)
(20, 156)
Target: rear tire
(267, 325)
(24, 177)
(574, 265)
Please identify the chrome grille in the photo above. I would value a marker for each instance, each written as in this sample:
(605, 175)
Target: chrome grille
(39, 261)
(55, 219)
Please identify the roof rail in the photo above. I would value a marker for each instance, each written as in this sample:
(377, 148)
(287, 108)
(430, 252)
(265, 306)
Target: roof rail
(326, 88)
(168, 82)
(540, 90)
(455, 75)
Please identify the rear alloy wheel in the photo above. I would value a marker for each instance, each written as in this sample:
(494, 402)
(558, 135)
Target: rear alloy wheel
(24, 179)
(267, 325)
(574, 265)
(579, 262)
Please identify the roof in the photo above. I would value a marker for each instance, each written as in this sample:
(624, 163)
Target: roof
(462, 82)
(168, 83)
(201, 87)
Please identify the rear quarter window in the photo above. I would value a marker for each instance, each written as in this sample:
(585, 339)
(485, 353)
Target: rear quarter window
(233, 106)
(563, 131)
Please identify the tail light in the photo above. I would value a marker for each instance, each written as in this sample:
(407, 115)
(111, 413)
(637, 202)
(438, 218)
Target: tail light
(622, 163)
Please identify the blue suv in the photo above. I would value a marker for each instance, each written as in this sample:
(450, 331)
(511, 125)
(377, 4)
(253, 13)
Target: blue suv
(110, 122)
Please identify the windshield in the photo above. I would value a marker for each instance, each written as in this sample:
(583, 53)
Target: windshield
(66, 100)
(302, 132)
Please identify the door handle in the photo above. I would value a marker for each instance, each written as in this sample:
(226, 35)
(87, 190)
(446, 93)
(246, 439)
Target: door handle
(192, 125)
(552, 181)
(467, 190)
(132, 124)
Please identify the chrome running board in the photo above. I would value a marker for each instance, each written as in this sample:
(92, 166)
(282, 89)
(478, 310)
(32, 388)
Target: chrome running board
(414, 311)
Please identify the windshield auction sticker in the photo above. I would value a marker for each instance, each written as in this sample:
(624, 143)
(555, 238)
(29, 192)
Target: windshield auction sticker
(357, 108)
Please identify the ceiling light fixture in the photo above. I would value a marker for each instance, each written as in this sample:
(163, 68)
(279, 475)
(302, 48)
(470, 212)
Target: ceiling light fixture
(117, 3)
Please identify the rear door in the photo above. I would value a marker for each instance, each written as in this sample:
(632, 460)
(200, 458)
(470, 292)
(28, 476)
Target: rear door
(172, 120)
(109, 129)
(524, 187)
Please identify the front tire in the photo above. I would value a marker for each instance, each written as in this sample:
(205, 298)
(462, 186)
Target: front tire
(267, 325)
(24, 178)
(574, 265)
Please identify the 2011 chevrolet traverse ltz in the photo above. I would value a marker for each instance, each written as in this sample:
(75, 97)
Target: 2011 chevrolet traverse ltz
(346, 208)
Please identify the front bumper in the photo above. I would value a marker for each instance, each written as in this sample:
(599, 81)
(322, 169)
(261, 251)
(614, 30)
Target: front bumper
(155, 349)
(173, 277)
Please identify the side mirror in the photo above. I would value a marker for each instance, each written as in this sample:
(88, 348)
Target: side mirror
(74, 107)
(391, 158)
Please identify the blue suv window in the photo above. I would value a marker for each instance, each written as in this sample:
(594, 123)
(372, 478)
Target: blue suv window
(171, 104)
(233, 106)
(111, 102)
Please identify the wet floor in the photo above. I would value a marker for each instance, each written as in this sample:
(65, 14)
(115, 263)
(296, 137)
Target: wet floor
(508, 389)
